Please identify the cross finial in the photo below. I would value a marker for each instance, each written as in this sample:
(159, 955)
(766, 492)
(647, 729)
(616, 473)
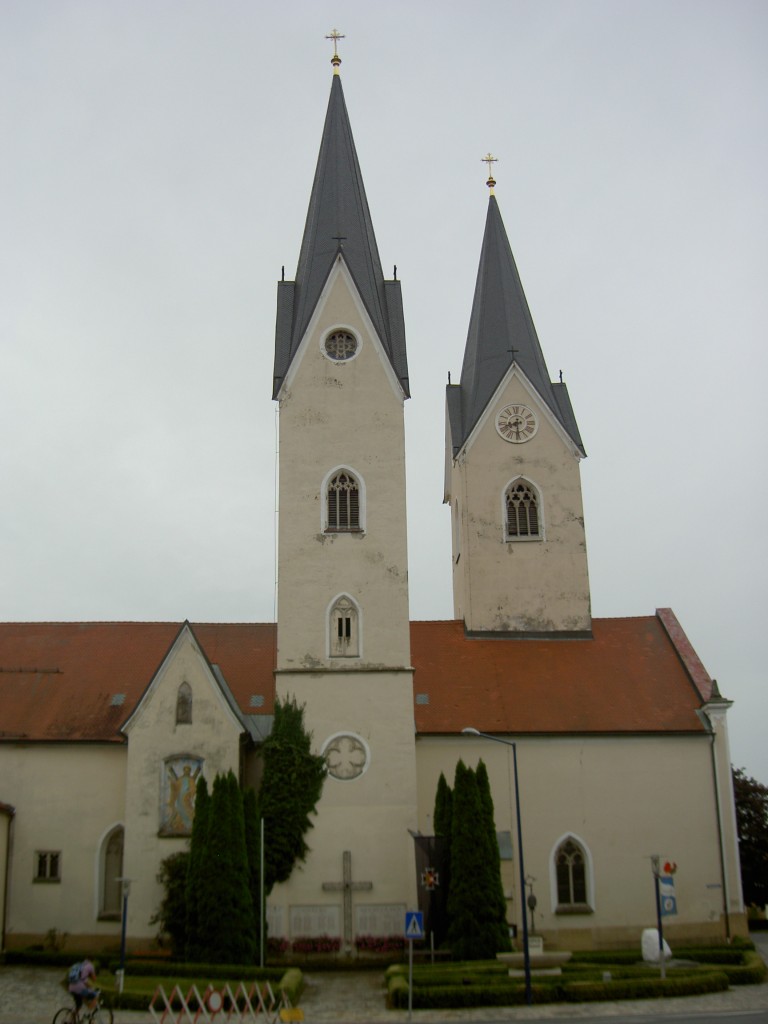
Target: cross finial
(490, 160)
(335, 35)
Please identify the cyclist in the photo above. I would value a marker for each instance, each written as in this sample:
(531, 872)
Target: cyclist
(82, 984)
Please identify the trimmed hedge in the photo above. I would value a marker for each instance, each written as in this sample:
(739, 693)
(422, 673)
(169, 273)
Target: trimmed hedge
(645, 988)
(164, 968)
(441, 997)
(752, 971)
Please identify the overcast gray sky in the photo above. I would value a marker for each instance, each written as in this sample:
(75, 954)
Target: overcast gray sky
(157, 161)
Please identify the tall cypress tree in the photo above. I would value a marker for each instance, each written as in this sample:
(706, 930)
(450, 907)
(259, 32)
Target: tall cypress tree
(441, 820)
(441, 824)
(215, 894)
(472, 929)
(290, 788)
(497, 904)
(253, 850)
(243, 921)
(195, 880)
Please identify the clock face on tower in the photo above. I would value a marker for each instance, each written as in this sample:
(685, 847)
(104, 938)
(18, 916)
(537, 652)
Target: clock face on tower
(516, 423)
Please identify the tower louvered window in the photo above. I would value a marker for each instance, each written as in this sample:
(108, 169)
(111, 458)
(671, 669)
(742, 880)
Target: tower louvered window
(570, 866)
(522, 511)
(343, 503)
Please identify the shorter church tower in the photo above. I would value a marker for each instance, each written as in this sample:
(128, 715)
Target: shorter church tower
(512, 468)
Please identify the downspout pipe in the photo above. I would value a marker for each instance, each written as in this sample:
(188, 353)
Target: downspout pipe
(714, 710)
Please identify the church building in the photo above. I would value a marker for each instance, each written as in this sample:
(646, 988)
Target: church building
(619, 733)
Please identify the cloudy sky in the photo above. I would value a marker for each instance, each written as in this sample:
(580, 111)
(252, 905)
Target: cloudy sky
(157, 161)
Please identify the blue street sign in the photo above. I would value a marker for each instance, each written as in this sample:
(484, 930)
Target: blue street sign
(414, 924)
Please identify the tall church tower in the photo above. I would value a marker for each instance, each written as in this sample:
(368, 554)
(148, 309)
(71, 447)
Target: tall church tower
(512, 468)
(343, 648)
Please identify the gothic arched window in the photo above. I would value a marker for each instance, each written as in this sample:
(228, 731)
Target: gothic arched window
(111, 873)
(184, 705)
(522, 511)
(571, 874)
(343, 503)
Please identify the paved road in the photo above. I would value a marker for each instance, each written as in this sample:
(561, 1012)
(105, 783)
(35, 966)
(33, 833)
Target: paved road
(31, 995)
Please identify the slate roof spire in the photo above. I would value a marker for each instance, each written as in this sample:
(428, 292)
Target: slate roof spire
(501, 332)
(338, 225)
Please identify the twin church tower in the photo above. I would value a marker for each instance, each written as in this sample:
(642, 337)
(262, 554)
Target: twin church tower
(341, 379)
(512, 483)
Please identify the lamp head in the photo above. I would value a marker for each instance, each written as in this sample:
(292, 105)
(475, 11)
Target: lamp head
(469, 731)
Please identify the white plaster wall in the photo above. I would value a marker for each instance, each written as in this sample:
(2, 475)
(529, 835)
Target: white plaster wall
(153, 736)
(342, 414)
(67, 796)
(369, 816)
(625, 798)
(524, 585)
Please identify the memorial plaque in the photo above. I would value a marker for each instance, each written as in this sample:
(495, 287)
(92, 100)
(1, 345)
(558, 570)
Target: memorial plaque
(379, 918)
(315, 920)
(275, 921)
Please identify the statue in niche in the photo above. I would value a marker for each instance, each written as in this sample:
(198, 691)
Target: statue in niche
(178, 798)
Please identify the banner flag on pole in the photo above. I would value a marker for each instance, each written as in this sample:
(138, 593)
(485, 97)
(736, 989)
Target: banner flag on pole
(667, 895)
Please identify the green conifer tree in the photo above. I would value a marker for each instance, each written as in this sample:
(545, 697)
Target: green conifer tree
(441, 820)
(497, 904)
(441, 857)
(195, 881)
(243, 944)
(291, 785)
(215, 892)
(472, 929)
(253, 850)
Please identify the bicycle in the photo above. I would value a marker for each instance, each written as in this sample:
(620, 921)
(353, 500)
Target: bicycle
(83, 1015)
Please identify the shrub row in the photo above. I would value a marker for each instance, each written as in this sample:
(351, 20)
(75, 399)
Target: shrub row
(463, 996)
(227, 972)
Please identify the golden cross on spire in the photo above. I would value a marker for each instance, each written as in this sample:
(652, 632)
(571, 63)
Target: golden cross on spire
(490, 160)
(335, 35)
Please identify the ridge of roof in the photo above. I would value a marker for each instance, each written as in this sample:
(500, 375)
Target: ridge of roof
(501, 334)
(338, 224)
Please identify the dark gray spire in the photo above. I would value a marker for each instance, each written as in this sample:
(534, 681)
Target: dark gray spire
(338, 225)
(501, 332)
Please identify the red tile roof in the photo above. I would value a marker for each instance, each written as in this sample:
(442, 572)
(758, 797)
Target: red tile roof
(628, 678)
(80, 681)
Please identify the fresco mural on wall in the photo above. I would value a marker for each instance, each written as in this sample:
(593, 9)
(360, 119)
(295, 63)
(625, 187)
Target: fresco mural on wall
(177, 798)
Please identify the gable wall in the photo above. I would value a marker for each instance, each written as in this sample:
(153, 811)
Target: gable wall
(154, 736)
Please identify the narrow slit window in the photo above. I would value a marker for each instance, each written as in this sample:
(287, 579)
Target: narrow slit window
(184, 705)
(345, 639)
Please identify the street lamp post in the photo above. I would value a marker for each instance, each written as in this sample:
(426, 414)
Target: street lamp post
(126, 886)
(469, 731)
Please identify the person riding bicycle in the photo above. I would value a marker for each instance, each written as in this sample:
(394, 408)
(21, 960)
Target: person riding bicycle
(82, 982)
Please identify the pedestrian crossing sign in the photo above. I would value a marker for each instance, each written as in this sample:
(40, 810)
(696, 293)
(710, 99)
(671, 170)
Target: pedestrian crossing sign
(414, 924)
